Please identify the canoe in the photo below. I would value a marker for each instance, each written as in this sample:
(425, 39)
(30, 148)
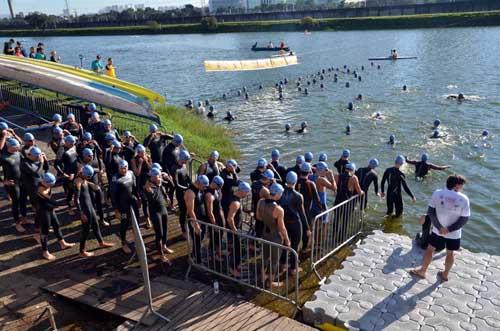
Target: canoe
(270, 49)
(392, 59)
(74, 86)
(152, 97)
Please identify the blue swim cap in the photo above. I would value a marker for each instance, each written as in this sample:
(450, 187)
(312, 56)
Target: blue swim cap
(178, 140)
(70, 139)
(123, 164)
(268, 174)
(215, 155)
(35, 151)
(231, 163)
(392, 137)
(157, 166)
(303, 124)
(346, 153)
(217, 180)
(87, 136)
(291, 177)
(140, 148)
(92, 107)
(88, 171)
(261, 163)
(485, 133)
(308, 156)
(350, 166)
(321, 166)
(153, 128)
(287, 126)
(373, 163)
(107, 122)
(70, 116)
(94, 115)
(116, 144)
(154, 172)
(109, 137)
(184, 155)
(57, 117)
(322, 157)
(437, 122)
(49, 179)
(3, 126)
(244, 187)
(300, 160)
(211, 108)
(57, 130)
(87, 152)
(28, 137)
(276, 189)
(305, 167)
(424, 157)
(275, 153)
(127, 134)
(400, 159)
(203, 180)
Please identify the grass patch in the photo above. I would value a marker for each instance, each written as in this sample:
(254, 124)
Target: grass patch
(468, 19)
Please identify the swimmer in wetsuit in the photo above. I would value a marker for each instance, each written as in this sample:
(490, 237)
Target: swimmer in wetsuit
(280, 168)
(303, 128)
(213, 206)
(73, 127)
(129, 145)
(436, 135)
(212, 167)
(182, 180)
(229, 117)
(67, 168)
(422, 167)
(141, 165)
(344, 159)
(156, 142)
(85, 205)
(366, 177)
(392, 140)
(260, 190)
(460, 97)
(395, 180)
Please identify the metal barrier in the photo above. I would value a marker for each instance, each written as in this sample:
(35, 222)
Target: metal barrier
(263, 265)
(334, 228)
(193, 166)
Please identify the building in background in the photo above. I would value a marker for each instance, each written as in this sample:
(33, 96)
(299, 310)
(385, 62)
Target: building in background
(214, 5)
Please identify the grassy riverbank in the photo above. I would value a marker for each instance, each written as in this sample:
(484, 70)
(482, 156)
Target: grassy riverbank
(359, 23)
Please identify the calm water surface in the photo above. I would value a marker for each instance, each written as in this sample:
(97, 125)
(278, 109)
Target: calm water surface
(449, 61)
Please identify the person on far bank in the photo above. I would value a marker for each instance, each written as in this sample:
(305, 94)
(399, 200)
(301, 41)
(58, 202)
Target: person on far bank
(96, 65)
(395, 180)
(449, 211)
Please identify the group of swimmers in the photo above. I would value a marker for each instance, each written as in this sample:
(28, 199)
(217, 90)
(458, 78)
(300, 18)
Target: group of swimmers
(16, 48)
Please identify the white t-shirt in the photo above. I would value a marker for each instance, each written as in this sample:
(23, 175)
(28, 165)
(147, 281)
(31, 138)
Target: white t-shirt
(450, 206)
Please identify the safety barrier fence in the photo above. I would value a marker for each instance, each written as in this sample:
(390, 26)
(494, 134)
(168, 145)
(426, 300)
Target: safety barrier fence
(262, 265)
(335, 228)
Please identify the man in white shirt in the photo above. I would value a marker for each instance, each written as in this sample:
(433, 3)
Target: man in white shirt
(449, 210)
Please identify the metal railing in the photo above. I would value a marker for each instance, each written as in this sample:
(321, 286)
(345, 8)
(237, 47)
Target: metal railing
(335, 228)
(263, 265)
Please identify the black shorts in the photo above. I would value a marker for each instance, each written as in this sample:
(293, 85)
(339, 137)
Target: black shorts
(440, 243)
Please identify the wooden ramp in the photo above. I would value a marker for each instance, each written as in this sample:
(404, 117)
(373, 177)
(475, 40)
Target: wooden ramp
(190, 305)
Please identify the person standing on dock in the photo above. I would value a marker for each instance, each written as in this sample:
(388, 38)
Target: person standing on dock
(449, 211)
(395, 179)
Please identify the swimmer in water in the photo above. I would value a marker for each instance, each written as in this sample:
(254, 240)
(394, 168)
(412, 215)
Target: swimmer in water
(460, 97)
(303, 128)
(350, 106)
(436, 124)
(229, 117)
(348, 130)
(287, 128)
(377, 116)
(405, 88)
(211, 113)
(422, 167)
(392, 140)
(359, 97)
(436, 135)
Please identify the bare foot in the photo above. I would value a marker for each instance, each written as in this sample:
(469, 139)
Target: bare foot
(86, 254)
(20, 228)
(417, 273)
(148, 223)
(46, 255)
(106, 244)
(442, 277)
(36, 236)
(167, 250)
(126, 249)
(164, 259)
(65, 245)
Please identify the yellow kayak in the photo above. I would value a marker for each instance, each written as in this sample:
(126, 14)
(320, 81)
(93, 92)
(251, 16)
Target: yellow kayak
(152, 97)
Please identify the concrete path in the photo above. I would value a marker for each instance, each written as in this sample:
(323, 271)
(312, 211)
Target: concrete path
(374, 290)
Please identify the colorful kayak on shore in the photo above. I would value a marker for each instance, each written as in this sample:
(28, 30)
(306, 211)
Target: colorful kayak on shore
(389, 58)
(75, 86)
(248, 65)
(152, 97)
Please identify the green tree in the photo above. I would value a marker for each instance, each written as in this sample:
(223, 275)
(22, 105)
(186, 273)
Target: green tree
(37, 20)
(209, 23)
(308, 22)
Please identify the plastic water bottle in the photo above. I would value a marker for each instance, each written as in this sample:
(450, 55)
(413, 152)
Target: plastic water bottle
(216, 287)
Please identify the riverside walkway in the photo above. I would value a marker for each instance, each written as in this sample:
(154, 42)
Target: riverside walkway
(374, 290)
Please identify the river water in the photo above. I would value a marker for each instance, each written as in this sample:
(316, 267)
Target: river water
(449, 61)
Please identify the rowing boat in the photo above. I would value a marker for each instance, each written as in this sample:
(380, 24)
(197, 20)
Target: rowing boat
(270, 49)
(392, 59)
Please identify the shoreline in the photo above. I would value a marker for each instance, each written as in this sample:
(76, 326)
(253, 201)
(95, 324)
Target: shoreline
(446, 20)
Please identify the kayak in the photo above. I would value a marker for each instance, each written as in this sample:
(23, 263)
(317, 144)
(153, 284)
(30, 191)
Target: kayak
(270, 49)
(390, 58)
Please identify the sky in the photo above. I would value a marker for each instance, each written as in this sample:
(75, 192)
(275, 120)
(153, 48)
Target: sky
(81, 6)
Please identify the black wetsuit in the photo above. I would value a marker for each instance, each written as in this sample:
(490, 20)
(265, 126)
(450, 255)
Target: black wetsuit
(85, 204)
(214, 235)
(100, 135)
(158, 212)
(340, 165)
(395, 179)
(169, 157)
(271, 256)
(256, 188)
(422, 168)
(128, 151)
(74, 128)
(343, 214)
(182, 182)
(200, 213)
(11, 164)
(32, 173)
(255, 175)
(293, 205)
(366, 177)
(141, 181)
(310, 194)
(111, 162)
(211, 170)
(233, 242)
(68, 164)
(124, 195)
(156, 144)
(57, 146)
(94, 147)
(97, 195)
(281, 170)
(47, 217)
(231, 181)
(295, 168)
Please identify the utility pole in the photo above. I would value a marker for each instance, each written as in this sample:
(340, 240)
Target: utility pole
(11, 8)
